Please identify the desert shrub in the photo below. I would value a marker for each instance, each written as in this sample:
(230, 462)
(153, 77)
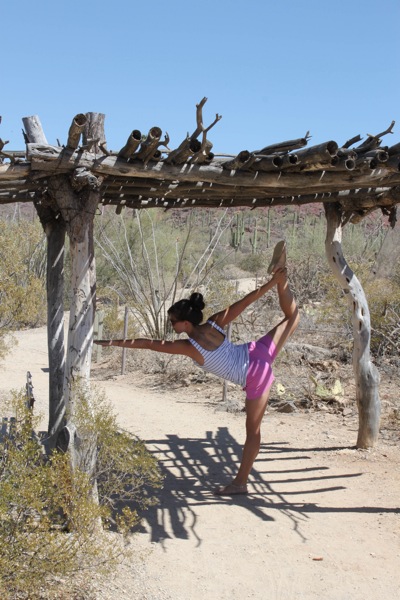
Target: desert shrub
(254, 263)
(384, 306)
(383, 300)
(49, 515)
(308, 279)
(22, 277)
(125, 472)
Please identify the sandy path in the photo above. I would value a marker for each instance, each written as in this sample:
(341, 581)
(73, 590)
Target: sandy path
(321, 522)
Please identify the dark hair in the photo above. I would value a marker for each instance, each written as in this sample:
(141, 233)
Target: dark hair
(189, 309)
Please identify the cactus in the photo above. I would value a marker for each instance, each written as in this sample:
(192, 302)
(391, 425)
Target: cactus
(237, 232)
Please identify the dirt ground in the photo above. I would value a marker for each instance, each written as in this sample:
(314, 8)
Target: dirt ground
(321, 520)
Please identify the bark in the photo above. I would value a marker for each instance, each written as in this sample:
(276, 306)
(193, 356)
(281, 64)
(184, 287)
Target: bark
(366, 374)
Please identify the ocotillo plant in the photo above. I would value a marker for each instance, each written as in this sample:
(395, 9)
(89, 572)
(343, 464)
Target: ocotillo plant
(253, 239)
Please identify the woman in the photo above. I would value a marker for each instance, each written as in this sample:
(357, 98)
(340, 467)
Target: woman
(248, 365)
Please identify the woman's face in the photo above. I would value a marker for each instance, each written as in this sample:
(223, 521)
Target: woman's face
(178, 326)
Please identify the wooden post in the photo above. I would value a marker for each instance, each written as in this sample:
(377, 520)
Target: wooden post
(54, 228)
(125, 336)
(77, 198)
(366, 374)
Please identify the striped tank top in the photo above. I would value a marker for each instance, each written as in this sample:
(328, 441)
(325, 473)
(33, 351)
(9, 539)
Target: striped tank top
(229, 361)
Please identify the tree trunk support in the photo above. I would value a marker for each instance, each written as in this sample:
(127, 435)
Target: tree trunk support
(70, 206)
(54, 228)
(366, 374)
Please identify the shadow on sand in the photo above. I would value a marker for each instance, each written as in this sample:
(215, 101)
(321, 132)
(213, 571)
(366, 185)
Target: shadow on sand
(193, 468)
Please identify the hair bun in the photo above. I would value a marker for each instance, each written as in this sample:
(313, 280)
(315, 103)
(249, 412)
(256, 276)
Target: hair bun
(196, 300)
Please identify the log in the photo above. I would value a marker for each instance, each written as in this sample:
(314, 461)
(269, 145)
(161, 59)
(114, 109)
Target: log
(267, 163)
(322, 153)
(378, 155)
(34, 131)
(132, 144)
(149, 145)
(344, 162)
(75, 131)
(393, 163)
(93, 132)
(366, 374)
(236, 163)
(394, 150)
(181, 155)
(289, 160)
(204, 155)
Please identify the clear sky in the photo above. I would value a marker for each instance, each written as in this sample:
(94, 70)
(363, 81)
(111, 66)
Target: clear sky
(273, 69)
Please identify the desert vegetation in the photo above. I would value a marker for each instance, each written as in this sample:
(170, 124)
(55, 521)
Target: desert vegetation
(49, 515)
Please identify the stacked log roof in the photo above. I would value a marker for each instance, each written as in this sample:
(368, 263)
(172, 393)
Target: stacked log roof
(362, 175)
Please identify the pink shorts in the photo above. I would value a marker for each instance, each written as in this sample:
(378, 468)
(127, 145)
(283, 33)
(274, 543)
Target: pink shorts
(260, 377)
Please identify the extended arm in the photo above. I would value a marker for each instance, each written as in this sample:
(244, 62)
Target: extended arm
(183, 347)
(227, 315)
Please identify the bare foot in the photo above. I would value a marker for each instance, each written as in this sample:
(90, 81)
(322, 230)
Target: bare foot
(231, 489)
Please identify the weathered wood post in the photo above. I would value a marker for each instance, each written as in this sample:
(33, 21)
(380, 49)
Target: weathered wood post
(55, 232)
(54, 228)
(74, 199)
(366, 374)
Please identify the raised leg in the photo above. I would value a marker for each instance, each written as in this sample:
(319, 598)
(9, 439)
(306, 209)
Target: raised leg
(289, 324)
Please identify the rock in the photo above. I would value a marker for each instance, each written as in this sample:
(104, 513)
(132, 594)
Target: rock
(347, 412)
(286, 407)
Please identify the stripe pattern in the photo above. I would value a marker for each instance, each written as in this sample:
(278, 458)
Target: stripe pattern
(229, 361)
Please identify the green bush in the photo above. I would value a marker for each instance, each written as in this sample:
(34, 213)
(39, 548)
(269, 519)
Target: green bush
(384, 306)
(22, 278)
(50, 531)
(125, 471)
(254, 263)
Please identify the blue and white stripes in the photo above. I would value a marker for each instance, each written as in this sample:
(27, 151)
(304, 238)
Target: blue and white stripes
(229, 361)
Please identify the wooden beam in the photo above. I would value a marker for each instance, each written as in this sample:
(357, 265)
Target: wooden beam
(51, 159)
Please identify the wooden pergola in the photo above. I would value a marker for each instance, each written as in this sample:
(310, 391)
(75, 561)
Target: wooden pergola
(67, 183)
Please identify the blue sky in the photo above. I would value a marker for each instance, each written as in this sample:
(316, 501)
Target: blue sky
(273, 69)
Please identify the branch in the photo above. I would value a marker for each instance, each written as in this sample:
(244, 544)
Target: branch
(373, 141)
(199, 118)
(4, 154)
(352, 141)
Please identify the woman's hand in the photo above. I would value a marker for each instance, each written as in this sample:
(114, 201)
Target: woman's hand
(280, 275)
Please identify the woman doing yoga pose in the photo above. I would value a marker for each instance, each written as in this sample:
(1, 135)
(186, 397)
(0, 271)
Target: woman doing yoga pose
(248, 365)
